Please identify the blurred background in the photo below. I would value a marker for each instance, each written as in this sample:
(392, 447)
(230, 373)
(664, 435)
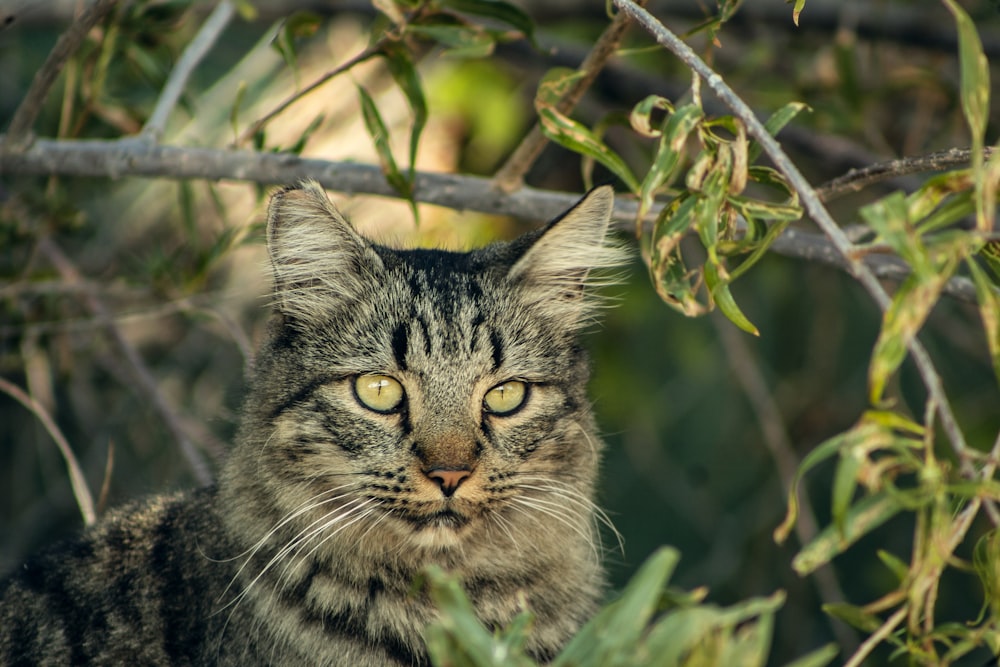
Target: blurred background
(130, 308)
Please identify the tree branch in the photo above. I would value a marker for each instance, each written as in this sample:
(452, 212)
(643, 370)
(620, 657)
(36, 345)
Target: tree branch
(19, 133)
(858, 179)
(814, 206)
(147, 383)
(152, 131)
(116, 159)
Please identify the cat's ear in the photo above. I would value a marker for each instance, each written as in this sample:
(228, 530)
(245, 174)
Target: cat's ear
(319, 261)
(571, 257)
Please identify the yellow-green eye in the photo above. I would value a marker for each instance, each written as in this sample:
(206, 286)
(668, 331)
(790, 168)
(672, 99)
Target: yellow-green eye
(380, 393)
(505, 398)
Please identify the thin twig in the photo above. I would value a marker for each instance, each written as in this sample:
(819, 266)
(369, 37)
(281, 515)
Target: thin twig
(192, 55)
(368, 53)
(858, 179)
(109, 466)
(19, 132)
(147, 383)
(814, 206)
(76, 479)
(510, 176)
(768, 415)
(876, 637)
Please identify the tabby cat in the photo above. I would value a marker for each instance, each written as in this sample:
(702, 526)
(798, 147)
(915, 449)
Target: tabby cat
(409, 407)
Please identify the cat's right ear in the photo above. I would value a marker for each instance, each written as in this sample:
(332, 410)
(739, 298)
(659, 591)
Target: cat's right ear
(319, 261)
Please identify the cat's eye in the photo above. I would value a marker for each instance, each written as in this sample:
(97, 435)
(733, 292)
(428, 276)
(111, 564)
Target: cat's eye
(505, 398)
(380, 393)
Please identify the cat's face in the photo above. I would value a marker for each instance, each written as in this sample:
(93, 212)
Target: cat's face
(428, 399)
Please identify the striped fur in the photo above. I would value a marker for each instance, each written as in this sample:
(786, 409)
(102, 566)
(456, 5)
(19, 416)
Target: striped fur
(307, 550)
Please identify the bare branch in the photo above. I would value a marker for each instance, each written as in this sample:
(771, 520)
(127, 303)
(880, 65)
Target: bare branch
(779, 444)
(147, 383)
(76, 479)
(193, 53)
(858, 179)
(115, 159)
(814, 206)
(510, 176)
(368, 53)
(19, 132)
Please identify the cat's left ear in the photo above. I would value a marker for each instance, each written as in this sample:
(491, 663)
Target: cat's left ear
(570, 258)
(319, 261)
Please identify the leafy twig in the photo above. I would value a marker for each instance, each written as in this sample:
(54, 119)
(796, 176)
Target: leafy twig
(19, 132)
(368, 53)
(76, 479)
(193, 53)
(814, 206)
(510, 176)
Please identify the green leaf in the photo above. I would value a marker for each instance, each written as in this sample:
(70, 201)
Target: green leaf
(234, 111)
(641, 116)
(845, 482)
(300, 143)
(693, 635)
(578, 138)
(458, 632)
(667, 271)
(864, 517)
(975, 73)
(799, 4)
(890, 219)
(818, 658)
(989, 311)
(617, 628)
(504, 12)
(380, 136)
(778, 120)
(853, 616)
(898, 568)
(462, 41)
(865, 433)
(673, 134)
(902, 321)
(299, 25)
(724, 299)
(406, 77)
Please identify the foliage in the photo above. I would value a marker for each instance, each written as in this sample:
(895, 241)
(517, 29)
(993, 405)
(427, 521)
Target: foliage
(709, 202)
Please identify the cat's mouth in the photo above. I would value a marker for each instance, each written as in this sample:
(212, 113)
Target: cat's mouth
(446, 518)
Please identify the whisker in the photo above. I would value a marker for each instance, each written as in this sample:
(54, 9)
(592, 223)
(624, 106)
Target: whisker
(306, 506)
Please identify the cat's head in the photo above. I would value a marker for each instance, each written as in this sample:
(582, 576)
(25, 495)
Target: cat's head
(425, 398)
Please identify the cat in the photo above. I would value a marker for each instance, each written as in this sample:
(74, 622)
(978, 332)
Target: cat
(408, 408)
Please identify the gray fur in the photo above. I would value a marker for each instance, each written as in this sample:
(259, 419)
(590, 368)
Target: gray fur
(325, 514)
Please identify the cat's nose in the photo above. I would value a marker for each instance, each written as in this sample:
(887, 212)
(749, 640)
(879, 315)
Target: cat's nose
(448, 479)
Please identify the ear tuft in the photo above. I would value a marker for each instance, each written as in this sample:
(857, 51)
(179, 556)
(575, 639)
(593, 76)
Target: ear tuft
(571, 258)
(319, 261)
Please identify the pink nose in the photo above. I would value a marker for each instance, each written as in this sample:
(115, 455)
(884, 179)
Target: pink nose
(448, 480)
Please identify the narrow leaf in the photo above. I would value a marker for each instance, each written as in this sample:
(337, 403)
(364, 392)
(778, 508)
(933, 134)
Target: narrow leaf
(989, 311)
(821, 657)
(578, 138)
(775, 123)
(724, 299)
(380, 137)
(406, 77)
(504, 12)
(864, 517)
